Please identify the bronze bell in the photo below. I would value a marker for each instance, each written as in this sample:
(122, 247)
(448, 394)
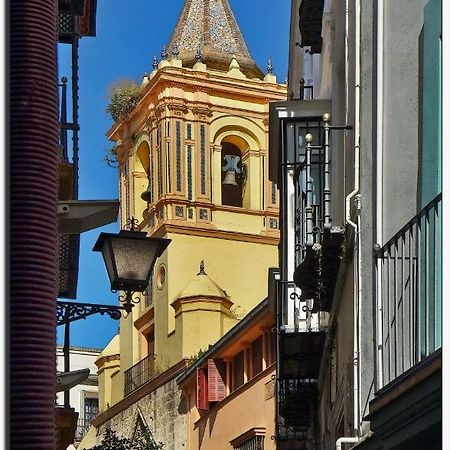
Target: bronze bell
(147, 194)
(230, 178)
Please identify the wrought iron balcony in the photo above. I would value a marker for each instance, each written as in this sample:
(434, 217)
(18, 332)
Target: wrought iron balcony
(139, 374)
(318, 244)
(409, 294)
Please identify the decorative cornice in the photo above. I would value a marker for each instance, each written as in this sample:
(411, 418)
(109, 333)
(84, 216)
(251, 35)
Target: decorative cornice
(104, 359)
(178, 302)
(217, 234)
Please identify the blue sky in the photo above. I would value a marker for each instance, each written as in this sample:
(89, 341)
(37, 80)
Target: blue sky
(129, 34)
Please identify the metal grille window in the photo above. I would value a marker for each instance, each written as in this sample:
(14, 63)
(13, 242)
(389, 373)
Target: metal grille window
(255, 443)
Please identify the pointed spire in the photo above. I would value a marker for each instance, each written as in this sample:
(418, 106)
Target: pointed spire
(211, 25)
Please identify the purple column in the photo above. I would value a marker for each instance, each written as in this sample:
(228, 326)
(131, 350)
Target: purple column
(33, 222)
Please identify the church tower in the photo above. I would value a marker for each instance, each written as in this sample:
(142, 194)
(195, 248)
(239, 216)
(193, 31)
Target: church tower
(194, 169)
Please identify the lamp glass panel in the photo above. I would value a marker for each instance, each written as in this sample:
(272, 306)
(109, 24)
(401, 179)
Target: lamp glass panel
(106, 252)
(134, 257)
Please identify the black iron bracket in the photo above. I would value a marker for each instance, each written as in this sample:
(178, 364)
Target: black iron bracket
(67, 312)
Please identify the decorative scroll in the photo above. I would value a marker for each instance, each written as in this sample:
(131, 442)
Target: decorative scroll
(71, 311)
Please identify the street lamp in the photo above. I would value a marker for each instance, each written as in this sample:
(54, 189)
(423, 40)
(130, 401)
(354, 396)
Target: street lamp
(129, 258)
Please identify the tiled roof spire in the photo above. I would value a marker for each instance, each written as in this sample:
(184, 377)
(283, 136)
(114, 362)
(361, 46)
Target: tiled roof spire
(210, 25)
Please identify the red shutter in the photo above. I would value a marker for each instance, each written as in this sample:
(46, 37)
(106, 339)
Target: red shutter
(202, 390)
(216, 380)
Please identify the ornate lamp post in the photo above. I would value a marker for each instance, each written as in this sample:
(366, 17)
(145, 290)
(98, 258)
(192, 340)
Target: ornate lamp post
(129, 258)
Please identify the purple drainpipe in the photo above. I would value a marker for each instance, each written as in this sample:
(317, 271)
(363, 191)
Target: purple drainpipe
(33, 223)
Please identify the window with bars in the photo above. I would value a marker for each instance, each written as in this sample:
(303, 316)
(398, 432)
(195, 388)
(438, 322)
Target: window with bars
(90, 409)
(255, 443)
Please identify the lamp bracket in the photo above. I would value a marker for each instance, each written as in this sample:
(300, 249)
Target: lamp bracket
(67, 312)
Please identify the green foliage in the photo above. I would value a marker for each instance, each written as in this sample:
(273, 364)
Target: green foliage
(141, 441)
(123, 98)
(192, 359)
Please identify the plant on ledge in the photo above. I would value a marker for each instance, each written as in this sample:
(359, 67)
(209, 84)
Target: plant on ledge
(140, 441)
(123, 98)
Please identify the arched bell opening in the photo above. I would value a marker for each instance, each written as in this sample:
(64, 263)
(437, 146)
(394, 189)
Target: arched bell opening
(233, 175)
(142, 161)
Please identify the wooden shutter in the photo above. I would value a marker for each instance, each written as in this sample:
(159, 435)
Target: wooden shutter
(216, 380)
(202, 389)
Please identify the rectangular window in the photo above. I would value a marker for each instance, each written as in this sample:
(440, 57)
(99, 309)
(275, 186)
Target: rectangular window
(257, 348)
(189, 130)
(238, 370)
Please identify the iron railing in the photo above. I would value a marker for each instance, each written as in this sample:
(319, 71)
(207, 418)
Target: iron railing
(409, 294)
(82, 429)
(139, 374)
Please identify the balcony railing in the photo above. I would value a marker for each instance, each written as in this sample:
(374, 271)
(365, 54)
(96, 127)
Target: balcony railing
(82, 428)
(139, 374)
(409, 294)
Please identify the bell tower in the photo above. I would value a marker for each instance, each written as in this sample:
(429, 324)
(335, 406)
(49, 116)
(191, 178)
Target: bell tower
(194, 169)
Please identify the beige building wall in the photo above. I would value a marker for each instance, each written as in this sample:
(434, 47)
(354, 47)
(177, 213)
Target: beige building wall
(254, 406)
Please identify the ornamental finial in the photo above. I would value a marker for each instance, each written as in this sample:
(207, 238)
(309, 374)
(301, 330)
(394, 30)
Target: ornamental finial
(202, 268)
(175, 51)
(198, 54)
(155, 62)
(164, 53)
(270, 66)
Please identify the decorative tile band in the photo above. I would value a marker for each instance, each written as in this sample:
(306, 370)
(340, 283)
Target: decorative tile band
(169, 188)
(150, 169)
(273, 223)
(202, 160)
(273, 193)
(179, 211)
(178, 150)
(159, 149)
(189, 171)
(203, 214)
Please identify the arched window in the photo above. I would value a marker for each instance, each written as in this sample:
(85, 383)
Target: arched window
(233, 175)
